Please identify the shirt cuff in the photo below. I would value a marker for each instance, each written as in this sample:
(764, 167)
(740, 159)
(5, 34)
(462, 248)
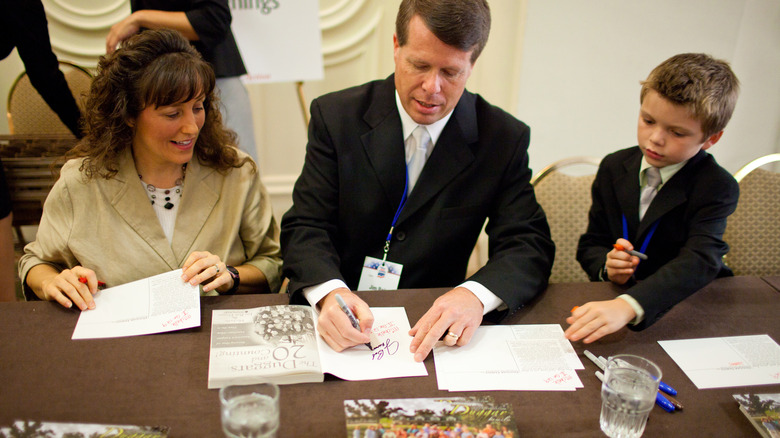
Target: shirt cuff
(640, 312)
(490, 301)
(314, 294)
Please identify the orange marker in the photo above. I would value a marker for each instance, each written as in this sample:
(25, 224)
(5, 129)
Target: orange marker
(101, 285)
(619, 247)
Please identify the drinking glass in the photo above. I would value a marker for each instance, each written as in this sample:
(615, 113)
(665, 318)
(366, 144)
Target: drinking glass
(627, 395)
(250, 411)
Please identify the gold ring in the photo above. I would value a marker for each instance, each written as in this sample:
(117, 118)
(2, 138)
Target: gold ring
(454, 336)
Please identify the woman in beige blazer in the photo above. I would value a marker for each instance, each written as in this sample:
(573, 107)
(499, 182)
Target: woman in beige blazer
(157, 184)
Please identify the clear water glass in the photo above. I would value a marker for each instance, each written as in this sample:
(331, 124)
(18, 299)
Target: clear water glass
(627, 395)
(250, 411)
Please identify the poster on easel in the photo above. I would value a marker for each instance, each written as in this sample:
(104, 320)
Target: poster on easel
(279, 40)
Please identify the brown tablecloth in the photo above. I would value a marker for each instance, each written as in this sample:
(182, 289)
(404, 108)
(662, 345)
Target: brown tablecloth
(773, 281)
(161, 379)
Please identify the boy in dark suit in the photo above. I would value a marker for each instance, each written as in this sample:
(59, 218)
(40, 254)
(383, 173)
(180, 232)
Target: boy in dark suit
(666, 198)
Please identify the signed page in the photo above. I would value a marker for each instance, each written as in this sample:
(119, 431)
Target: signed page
(533, 357)
(390, 357)
(157, 304)
(728, 361)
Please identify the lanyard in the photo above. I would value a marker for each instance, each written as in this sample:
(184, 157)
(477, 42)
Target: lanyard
(395, 218)
(647, 238)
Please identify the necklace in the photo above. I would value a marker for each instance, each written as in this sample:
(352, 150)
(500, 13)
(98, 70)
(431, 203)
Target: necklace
(166, 194)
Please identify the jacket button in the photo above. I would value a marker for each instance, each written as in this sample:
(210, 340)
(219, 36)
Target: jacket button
(400, 236)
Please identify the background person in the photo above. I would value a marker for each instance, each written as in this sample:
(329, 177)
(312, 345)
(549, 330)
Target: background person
(25, 28)
(155, 185)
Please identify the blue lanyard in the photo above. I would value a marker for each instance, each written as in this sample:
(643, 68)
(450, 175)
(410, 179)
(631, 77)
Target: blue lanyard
(395, 218)
(647, 238)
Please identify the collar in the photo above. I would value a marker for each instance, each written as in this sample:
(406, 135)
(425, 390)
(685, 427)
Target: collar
(408, 124)
(667, 172)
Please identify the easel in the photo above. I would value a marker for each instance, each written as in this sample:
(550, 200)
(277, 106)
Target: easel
(302, 101)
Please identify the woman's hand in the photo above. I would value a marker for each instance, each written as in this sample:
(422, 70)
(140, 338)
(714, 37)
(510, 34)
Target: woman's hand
(67, 289)
(203, 267)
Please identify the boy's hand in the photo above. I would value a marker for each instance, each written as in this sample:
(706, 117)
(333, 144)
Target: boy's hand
(595, 319)
(621, 265)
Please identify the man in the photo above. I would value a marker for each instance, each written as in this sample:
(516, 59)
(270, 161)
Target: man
(352, 223)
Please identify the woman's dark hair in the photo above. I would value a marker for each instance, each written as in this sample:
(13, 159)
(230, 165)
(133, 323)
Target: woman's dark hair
(154, 67)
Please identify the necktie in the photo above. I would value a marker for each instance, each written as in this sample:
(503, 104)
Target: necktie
(653, 176)
(421, 138)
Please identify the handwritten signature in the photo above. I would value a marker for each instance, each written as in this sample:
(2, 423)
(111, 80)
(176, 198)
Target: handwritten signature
(389, 347)
(178, 319)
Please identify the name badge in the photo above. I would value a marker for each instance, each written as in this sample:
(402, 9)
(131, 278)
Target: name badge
(378, 275)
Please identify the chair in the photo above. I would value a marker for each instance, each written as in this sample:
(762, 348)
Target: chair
(28, 113)
(31, 166)
(753, 230)
(566, 200)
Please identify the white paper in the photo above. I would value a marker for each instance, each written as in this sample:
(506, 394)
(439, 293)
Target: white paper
(157, 304)
(727, 361)
(518, 357)
(279, 40)
(390, 359)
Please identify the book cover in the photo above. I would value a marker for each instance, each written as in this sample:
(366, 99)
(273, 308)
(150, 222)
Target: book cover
(281, 344)
(274, 342)
(39, 429)
(763, 411)
(463, 417)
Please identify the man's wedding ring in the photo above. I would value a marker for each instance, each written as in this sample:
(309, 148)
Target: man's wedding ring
(453, 335)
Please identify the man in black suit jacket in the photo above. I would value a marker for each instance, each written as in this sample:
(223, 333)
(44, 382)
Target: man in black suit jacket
(354, 180)
(686, 103)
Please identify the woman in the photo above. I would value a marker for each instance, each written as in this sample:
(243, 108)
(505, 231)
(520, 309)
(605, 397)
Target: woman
(155, 185)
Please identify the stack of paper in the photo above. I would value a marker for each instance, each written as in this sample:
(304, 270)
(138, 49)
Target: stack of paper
(516, 357)
(728, 361)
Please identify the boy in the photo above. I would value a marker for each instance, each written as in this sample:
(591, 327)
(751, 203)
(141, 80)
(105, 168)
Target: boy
(685, 104)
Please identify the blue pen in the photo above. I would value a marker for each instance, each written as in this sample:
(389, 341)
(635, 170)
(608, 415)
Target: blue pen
(351, 316)
(667, 389)
(660, 400)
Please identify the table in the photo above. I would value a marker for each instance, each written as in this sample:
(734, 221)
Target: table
(773, 281)
(161, 379)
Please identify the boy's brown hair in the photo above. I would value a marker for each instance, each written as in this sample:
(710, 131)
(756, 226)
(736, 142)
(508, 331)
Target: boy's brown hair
(704, 85)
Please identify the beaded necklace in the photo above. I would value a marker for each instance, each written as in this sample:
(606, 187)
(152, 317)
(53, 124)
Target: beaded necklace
(166, 194)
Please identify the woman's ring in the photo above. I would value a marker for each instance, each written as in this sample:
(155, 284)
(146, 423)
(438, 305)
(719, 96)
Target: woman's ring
(453, 335)
(216, 266)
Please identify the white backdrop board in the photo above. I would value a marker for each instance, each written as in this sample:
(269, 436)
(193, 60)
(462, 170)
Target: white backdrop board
(279, 40)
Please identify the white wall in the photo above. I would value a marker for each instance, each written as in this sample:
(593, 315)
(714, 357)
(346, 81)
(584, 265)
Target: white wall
(582, 63)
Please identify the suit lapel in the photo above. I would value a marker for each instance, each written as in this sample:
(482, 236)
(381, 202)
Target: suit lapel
(200, 193)
(132, 204)
(673, 193)
(384, 143)
(627, 190)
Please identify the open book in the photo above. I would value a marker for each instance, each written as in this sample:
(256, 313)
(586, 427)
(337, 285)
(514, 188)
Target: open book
(281, 344)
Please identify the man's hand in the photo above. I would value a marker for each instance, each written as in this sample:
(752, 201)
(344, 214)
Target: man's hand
(595, 319)
(620, 264)
(334, 326)
(457, 313)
